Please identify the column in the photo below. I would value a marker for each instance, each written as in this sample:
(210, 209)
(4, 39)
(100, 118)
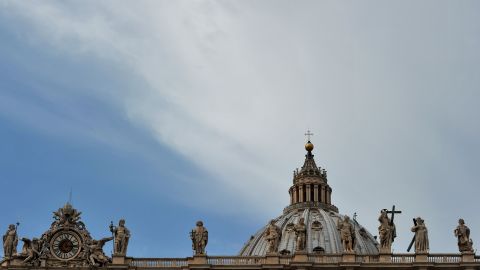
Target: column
(300, 191)
(291, 195)
(329, 196)
(308, 193)
(322, 194)
(295, 198)
(315, 193)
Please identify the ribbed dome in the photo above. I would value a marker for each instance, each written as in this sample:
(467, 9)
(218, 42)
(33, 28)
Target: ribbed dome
(310, 198)
(322, 234)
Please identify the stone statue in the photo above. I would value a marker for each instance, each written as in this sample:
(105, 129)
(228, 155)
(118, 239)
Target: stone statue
(10, 241)
(30, 251)
(421, 236)
(273, 233)
(199, 236)
(96, 255)
(386, 231)
(462, 232)
(122, 235)
(347, 234)
(300, 230)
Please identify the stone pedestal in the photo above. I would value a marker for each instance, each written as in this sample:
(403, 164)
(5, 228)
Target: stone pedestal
(385, 257)
(300, 256)
(468, 256)
(272, 258)
(421, 257)
(118, 259)
(348, 257)
(198, 259)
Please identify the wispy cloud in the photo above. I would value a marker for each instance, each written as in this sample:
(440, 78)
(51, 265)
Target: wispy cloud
(233, 85)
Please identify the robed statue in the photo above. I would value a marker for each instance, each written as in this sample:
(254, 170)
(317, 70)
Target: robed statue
(347, 234)
(421, 236)
(300, 230)
(462, 232)
(199, 236)
(273, 233)
(386, 231)
(121, 235)
(10, 241)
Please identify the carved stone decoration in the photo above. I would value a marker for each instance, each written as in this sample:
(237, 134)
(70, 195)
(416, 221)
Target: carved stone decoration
(122, 236)
(347, 234)
(30, 252)
(199, 236)
(96, 256)
(421, 236)
(300, 230)
(66, 216)
(386, 232)
(317, 226)
(10, 242)
(273, 234)
(462, 232)
(66, 244)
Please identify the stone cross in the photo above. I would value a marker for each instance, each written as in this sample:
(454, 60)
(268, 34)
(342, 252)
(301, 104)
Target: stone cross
(308, 134)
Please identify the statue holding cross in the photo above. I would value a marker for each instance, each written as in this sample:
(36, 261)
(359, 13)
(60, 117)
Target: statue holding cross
(386, 230)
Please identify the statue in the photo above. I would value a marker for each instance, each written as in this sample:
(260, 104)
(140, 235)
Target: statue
(347, 234)
(30, 251)
(10, 241)
(386, 231)
(122, 235)
(199, 237)
(273, 233)
(96, 255)
(462, 232)
(421, 236)
(300, 230)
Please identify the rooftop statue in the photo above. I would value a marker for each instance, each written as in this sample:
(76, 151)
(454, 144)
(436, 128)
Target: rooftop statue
(122, 235)
(31, 251)
(421, 236)
(387, 231)
(300, 230)
(273, 233)
(96, 255)
(199, 236)
(462, 232)
(347, 235)
(10, 241)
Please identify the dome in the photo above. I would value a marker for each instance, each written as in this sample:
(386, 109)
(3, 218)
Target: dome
(322, 234)
(310, 198)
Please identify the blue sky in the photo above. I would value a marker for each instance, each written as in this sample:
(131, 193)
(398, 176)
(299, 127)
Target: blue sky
(167, 112)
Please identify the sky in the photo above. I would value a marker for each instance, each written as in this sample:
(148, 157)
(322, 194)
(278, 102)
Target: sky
(168, 112)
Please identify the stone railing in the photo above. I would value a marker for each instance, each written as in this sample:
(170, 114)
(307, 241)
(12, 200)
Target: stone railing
(235, 260)
(403, 258)
(159, 262)
(327, 258)
(258, 261)
(444, 258)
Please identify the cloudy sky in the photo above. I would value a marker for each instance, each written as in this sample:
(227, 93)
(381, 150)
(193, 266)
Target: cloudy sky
(166, 112)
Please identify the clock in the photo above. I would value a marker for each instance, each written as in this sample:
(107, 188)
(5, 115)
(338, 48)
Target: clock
(65, 245)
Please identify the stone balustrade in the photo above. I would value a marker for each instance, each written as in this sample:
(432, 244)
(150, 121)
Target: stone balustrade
(251, 262)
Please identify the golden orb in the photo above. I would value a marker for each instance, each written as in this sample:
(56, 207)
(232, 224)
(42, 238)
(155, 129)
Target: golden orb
(309, 146)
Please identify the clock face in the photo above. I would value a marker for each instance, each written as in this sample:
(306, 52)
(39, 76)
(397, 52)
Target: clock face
(65, 245)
